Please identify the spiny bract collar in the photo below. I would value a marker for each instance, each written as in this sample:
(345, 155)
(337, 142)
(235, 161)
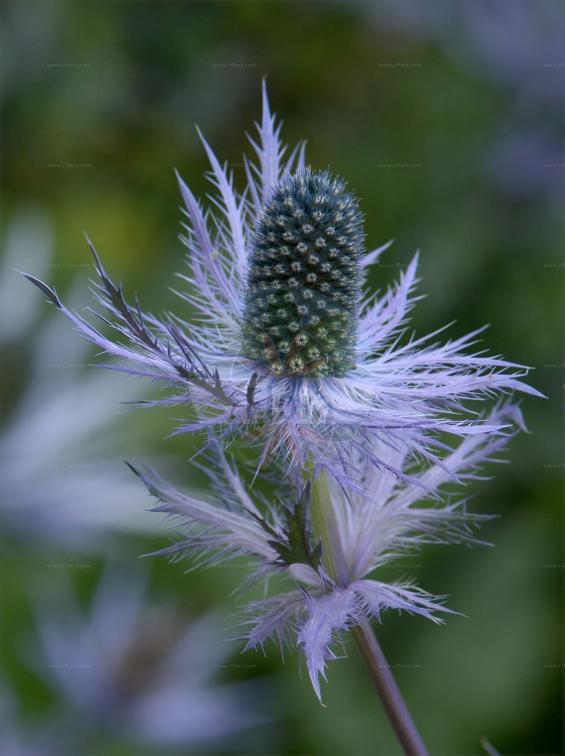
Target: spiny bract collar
(304, 282)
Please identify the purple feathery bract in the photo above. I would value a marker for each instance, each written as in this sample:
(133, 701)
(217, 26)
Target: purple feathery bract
(335, 584)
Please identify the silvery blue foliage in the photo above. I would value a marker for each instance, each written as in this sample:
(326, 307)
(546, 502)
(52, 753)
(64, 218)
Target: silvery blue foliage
(399, 392)
(334, 585)
(135, 670)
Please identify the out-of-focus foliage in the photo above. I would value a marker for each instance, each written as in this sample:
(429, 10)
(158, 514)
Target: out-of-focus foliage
(447, 124)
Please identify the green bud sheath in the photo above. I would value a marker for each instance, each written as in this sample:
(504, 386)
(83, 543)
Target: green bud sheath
(304, 281)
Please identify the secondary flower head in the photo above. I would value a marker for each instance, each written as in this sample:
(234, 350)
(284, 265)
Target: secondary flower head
(283, 338)
(330, 542)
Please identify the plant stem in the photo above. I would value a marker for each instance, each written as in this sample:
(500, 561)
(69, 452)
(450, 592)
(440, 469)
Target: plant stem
(388, 690)
(325, 527)
(322, 517)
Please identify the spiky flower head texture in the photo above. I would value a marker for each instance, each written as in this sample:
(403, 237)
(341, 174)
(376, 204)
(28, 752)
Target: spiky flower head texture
(367, 386)
(304, 282)
(334, 577)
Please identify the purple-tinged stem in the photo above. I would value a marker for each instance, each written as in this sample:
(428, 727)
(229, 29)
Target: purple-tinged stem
(388, 690)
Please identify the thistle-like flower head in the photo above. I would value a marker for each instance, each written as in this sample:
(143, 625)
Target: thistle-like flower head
(304, 282)
(284, 337)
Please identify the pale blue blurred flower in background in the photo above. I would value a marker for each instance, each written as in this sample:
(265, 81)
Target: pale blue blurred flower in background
(60, 475)
(517, 45)
(21, 736)
(135, 669)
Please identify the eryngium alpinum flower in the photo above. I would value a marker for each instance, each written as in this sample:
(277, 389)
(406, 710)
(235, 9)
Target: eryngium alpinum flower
(334, 578)
(283, 337)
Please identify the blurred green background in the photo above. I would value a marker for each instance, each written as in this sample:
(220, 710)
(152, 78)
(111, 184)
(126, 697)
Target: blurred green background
(448, 123)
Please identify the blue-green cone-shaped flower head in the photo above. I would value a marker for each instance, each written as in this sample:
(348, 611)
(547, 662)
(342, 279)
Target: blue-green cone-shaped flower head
(304, 282)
